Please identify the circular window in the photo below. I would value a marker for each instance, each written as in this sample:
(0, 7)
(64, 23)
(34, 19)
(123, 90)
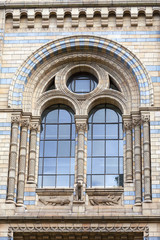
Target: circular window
(82, 82)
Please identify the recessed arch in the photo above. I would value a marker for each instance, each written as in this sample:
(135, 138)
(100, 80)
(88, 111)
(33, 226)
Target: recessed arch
(98, 46)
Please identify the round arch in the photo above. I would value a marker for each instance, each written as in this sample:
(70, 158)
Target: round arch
(50, 53)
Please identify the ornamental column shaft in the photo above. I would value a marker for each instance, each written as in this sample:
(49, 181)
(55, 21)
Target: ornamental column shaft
(129, 148)
(81, 128)
(22, 161)
(13, 158)
(146, 157)
(32, 152)
(137, 158)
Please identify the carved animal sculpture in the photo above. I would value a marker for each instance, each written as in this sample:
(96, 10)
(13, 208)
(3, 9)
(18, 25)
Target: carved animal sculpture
(107, 200)
(55, 201)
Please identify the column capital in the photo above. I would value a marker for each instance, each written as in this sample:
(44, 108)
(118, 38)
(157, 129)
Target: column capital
(145, 117)
(136, 120)
(34, 126)
(25, 122)
(81, 126)
(81, 122)
(15, 118)
(127, 122)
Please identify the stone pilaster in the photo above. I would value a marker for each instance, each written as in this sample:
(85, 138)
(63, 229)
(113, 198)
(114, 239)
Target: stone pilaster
(129, 148)
(32, 151)
(13, 158)
(22, 161)
(137, 158)
(81, 126)
(146, 157)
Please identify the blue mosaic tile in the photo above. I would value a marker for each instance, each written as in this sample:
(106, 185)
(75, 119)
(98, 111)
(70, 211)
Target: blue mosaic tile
(129, 193)
(4, 132)
(3, 187)
(129, 202)
(8, 70)
(29, 194)
(155, 131)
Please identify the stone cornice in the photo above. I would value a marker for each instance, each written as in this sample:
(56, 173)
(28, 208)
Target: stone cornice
(81, 3)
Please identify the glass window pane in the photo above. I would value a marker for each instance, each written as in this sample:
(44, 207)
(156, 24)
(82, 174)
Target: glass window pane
(64, 148)
(111, 148)
(72, 181)
(97, 180)
(51, 132)
(121, 165)
(121, 148)
(98, 148)
(98, 165)
(48, 181)
(50, 149)
(99, 116)
(111, 116)
(88, 165)
(52, 116)
(40, 166)
(63, 165)
(88, 181)
(42, 131)
(88, 148)
(82, 86)
(121, 180)
(41, 148)
(111, 180)
(72, 148)
(73, 131)
(120, 131)
(49, 166)
(72, 165)
(112, 131)
(112, 165)
(89, 131)
(39, 181)
(62, 181)
(98, 131)
(64, 116)
(64, 132)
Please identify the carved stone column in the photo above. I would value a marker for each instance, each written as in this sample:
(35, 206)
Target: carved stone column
(81, 128)
(13, 158)
(32, 151)
(137, 158)
(146, 157)
(22, 161)
(129, 148)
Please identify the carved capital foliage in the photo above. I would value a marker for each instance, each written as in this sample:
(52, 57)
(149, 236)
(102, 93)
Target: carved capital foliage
(24, 122)
(145, 118)
(127, 124)
(81, 126)
(136, 121)
(34, 126)
(15, 119)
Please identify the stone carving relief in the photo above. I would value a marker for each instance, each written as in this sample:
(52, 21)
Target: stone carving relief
(109, 200)
(54, 201)
(62, 229)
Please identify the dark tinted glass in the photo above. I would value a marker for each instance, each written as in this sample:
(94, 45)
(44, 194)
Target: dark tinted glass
(82, 82)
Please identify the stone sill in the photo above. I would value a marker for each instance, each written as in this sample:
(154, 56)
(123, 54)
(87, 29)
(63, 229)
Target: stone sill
(104, 191)
(54, 191)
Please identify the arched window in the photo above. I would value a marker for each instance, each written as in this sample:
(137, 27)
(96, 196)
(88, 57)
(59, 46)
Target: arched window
(57, 147)
(105, 147)
(82, 82)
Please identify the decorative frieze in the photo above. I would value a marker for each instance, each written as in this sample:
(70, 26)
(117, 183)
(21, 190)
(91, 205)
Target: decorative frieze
(104, 13)
(108, 200)
(53, 201)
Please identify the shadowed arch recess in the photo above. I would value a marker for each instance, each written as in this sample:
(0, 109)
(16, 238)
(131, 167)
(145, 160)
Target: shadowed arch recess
(83, 43)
